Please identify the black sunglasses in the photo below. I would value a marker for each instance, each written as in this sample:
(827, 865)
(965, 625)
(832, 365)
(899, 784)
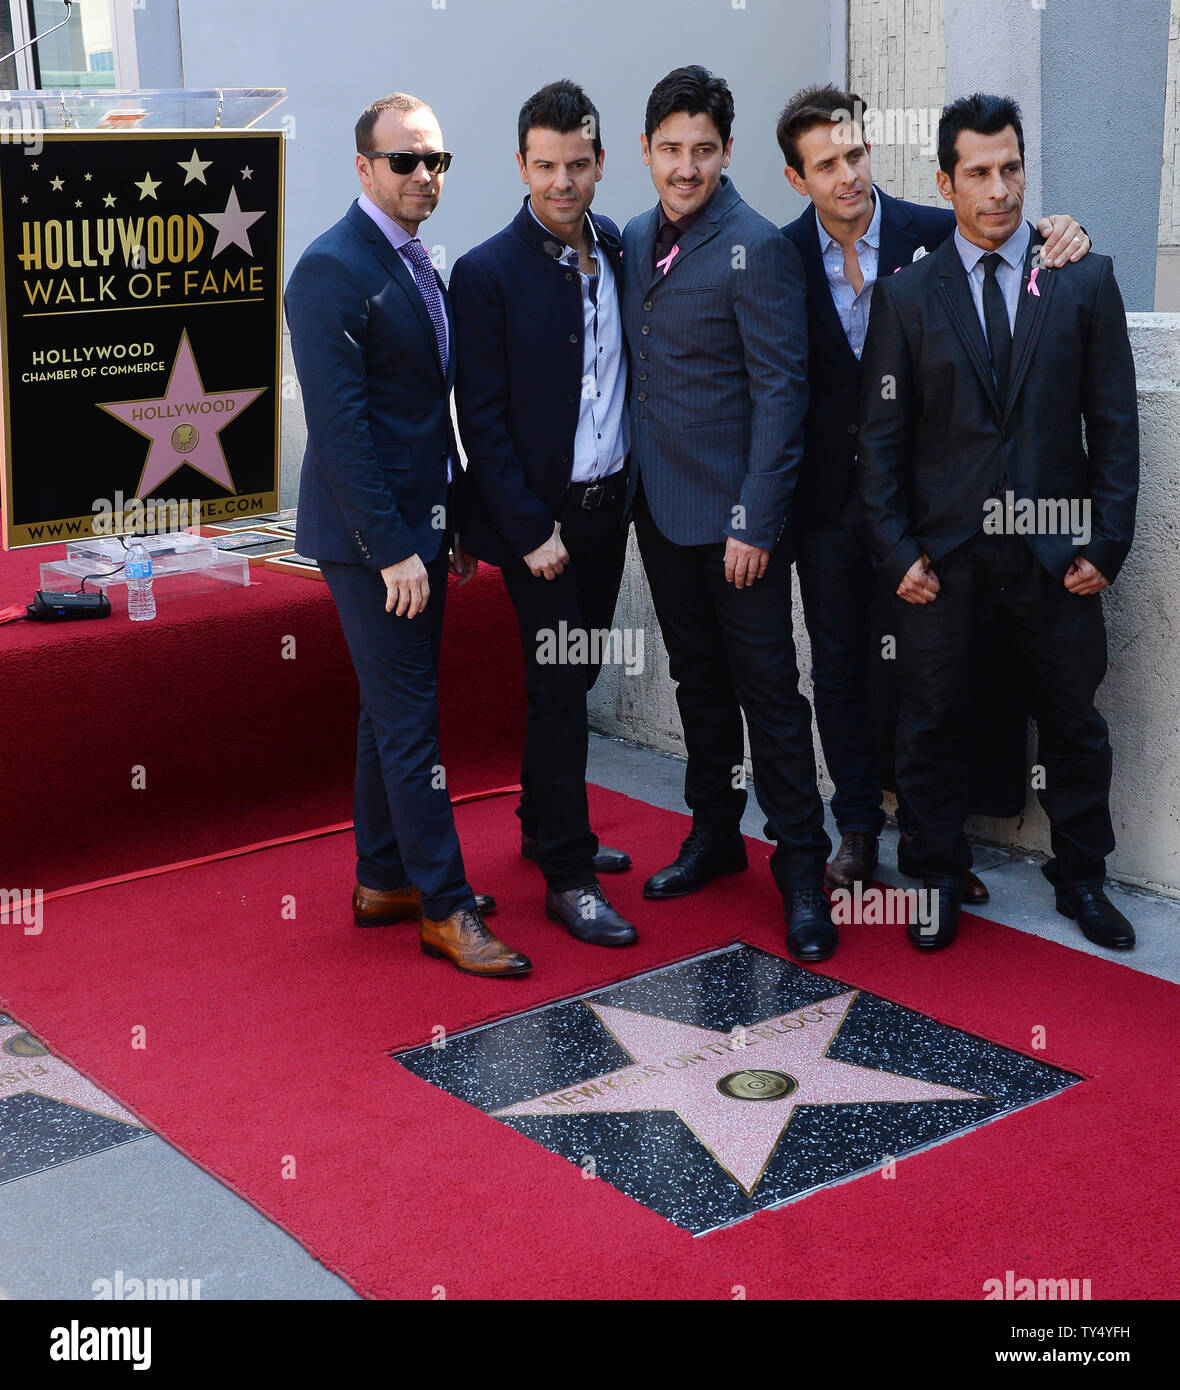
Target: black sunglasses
(406, 161)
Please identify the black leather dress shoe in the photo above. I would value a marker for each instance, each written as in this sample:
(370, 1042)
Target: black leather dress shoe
(945, 902)
(1101, 922)
(975, 891)
(586, 915)
(811, 934)
(702, 857)
(606, 861)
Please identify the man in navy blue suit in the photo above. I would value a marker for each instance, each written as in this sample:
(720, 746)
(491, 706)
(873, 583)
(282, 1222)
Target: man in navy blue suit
(372, 340)
(852, 235)
(541, 396)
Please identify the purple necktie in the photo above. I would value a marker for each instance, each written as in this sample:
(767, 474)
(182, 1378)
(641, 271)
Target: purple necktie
(423, 268)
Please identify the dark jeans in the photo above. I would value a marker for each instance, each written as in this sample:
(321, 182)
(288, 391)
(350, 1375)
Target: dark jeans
(731, 651)
(405, 830)
(1059, 645)
(553, 804)
(836, 582)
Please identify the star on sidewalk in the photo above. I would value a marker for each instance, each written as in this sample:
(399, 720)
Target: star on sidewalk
(233, 225)
(183, 424)
(735, 1091)
(194, 168)
(25, 1065)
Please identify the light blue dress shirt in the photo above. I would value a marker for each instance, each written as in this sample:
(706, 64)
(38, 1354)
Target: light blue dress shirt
(853, 307)
(601, 441)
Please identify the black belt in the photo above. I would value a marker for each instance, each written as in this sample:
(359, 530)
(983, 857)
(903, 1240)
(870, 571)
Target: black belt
(604, 492)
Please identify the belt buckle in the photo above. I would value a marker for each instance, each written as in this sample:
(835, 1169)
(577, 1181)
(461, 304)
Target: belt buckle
(595, 491)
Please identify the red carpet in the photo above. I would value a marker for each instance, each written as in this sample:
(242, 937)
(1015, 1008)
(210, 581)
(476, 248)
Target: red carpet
(266, 1041)
(237, 743)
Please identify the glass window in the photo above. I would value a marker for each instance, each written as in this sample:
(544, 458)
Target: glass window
(82, 54)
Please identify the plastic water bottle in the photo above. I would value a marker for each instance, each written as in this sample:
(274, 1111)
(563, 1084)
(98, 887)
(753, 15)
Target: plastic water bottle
(137, 570)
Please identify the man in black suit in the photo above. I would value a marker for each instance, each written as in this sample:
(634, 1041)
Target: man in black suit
(715, 313)
(371, 337)
(541, 398)
(851, 236)
(980, 366)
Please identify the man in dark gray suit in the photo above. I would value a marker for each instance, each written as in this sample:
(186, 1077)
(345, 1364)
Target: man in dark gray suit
(714, 310)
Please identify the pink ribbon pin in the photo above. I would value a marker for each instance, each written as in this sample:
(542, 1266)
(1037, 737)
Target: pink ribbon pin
(666, 264)
(1032, 282)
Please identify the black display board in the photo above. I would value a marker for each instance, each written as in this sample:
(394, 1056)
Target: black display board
(141, 329)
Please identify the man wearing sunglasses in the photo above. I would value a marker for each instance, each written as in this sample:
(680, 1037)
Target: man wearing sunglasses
(372, 341)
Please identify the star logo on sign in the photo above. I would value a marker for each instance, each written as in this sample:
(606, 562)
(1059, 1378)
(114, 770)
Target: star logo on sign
(735, 1091)
(183, 424)
(26, 1065)
(109, 200)
(57, 184)
(147, 187)
(247, 173)
(194, 168)
(232, 226)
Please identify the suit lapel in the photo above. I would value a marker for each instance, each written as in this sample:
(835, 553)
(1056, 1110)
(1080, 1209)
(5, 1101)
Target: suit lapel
(1030, 317)
(702, 231)
(819, 292)
(897, 243)
(955, 294)
(400, 273)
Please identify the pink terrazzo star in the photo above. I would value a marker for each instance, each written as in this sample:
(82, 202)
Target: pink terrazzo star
(183, 424)
(777, 1065)
(46, 1075)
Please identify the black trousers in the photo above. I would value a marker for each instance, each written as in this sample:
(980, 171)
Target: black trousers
(731, 651)
(405, 829)
(1058, 640)
(557, 619)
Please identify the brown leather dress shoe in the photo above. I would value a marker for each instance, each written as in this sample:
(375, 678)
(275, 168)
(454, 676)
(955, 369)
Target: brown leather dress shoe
(974, 889)
(373, 908)
(854, 861)
(463, 939)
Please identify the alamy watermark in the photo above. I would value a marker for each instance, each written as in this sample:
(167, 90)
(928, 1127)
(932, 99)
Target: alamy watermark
(597, 646)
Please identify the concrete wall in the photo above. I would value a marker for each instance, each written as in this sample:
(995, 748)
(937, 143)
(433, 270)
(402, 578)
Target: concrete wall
(1140, 697)
(896, 63)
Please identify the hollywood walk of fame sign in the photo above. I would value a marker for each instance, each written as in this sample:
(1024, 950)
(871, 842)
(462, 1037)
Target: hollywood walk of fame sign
(714, 1088)
(141, 329)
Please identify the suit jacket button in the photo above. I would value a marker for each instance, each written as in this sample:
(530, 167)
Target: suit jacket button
(647, 306)
(569, 275)
(565, 458)
(851, 429)
(571, 398)
(642, 376)
(643, 354)
(645, 330)
(573, 337)
(643, 395)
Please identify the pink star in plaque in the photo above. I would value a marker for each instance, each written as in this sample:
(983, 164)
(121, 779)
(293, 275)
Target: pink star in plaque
(25, 1065)
(736, 1091)
(183, 424)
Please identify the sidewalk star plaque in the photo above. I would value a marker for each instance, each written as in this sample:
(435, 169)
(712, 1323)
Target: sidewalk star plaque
(712, 1089)
(140, 337)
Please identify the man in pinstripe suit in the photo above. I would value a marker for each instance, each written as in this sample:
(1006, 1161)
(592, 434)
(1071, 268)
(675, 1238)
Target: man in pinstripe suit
(714, 309)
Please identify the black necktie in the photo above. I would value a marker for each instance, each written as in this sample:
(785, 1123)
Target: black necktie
(999, 331)
(666, 238)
